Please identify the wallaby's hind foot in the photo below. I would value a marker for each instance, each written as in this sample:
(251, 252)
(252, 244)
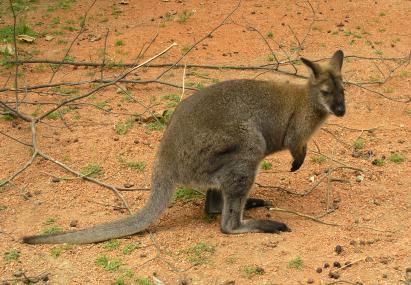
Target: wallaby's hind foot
(214, 202)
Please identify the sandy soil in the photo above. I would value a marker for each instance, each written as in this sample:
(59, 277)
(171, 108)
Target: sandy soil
(373, 214)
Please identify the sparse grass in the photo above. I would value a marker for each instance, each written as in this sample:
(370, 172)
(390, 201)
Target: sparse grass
(122, 128)
(6, 33)
(172, 98)
(155, 126)
(251, 271)
(200, 253)
(184, 16)
(359, 143)
(404, 73)
(3, 207)
(230, 260)
(119, 43)
(381, 14)
(112, 244)
(187, 194)
(270, 34)
(92, 170)
(378, 162)
(107, 264)
(143, 281)
(8, 117)
(185, 49)
(319, 159)
(296, 263)
(11, 255)
(57, 250)
(397, 158)
(270, 57)
(129, 248)
(52, 230)
(266, 165)
(136, 165)
(50, 221)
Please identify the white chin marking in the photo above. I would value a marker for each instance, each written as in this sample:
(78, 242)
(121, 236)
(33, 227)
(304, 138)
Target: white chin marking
(326, 107)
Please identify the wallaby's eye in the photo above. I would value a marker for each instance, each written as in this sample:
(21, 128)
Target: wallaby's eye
(325, 93)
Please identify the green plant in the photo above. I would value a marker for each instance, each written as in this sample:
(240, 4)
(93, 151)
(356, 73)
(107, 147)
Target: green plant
(3, 207)
(397, 157)
(270, 34)
(129, 248)
(404, 73)
(378, 162)
(319, 159)
(200, 253)
(122, 128)
(120, 281)
(92, 170)
(296, 263)
(185, 49)
(52, 230)
(8, 117)
(266, 165)
(270, 57)
(11, 255)
(230, 260)
(381, 14)
(359, 143)
(251, 271)
(50, 221)
(143, 281)
(187, 194)
(172, 98)
(111, 244)
(184, 16)
(7, 33)
(119, 43)
(107, 264)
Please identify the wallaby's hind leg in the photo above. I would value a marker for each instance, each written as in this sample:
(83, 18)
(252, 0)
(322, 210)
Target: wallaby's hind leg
(234, 191)
(214, 202)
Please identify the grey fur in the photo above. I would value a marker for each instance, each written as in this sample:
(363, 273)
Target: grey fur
(216, 140)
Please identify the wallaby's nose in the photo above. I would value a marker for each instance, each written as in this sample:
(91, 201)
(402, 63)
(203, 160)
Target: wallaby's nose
(339, 110)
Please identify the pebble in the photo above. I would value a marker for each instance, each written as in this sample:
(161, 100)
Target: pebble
(337, 264)
(369, 259)
(55, 179)
(128, 185)
(326, 265)
(384, 275)
(334, 275)
(115, 139)
(74, 223)
(310, 281)
(338, 249)
(18, 273)
(359, 178)
(353, 242)
(319, 270)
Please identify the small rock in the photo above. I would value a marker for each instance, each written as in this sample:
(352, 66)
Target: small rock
(362, 242)
(74, 223)
(338, 249)
(128, 185)
(312, 179)
(384, 275)
(115, 139)
(231, 282)
(143, 255)
(18, 273)
(334, 275)
(310, 281)
(353, 242)
(369, 259)
(319, 270)
(326, 265)
(55, 179)
(336, 264)
(359, 178)
(408, 274)
(75, 140)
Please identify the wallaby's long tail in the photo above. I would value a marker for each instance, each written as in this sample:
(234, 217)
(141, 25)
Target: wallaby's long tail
(161, 193)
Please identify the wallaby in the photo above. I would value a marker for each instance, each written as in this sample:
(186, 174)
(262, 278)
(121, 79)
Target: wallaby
(216, 140)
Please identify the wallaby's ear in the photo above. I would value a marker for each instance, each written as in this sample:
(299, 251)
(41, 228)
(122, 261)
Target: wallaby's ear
(315, 68)
(337, 60)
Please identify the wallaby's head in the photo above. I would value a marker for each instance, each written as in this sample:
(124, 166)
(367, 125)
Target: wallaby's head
(326, 85)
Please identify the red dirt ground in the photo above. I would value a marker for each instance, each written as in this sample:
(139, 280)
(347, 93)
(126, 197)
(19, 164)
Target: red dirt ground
(373, 215)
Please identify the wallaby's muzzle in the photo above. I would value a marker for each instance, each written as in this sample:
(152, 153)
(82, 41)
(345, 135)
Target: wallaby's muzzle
(338, 109)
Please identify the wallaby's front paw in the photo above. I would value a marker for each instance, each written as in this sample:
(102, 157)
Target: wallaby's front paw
(295, 166)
